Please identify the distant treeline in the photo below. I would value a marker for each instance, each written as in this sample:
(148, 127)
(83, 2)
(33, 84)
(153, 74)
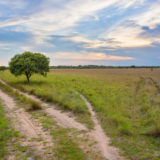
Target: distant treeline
(99, 67)
(2, 68)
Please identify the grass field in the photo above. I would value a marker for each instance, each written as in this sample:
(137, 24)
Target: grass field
(6, 133)
(127, 102)
(65, 140)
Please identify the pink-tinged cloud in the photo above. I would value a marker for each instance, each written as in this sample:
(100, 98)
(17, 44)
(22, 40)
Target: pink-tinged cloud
(89, 56)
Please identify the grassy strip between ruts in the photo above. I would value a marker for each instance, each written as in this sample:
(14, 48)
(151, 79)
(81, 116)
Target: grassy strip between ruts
(7, 133)
(66, 98)
(10, 140)
(66, 140)
(28, 104)
(66, 148)
(13, 148)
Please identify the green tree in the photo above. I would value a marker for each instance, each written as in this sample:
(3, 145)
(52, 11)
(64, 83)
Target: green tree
(29, 63)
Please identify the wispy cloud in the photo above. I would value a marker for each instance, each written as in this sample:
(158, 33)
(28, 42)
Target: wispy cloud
(49, 20)
(16, 4)
(151, 17)
(91, 43)
(128, 36)
(129, 32)
(89, 56)
(3, 44)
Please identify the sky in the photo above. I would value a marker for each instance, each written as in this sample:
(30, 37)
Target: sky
(82, 32)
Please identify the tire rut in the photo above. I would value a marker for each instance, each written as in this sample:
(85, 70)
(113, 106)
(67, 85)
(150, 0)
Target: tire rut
(103, 142)
(62, 118)
(29, 128)
(155, 84)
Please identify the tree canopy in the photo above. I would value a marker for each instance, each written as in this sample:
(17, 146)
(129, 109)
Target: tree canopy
(29, 63)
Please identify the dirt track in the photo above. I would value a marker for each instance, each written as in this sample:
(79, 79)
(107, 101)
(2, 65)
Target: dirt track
(28, 127)
(103, 142)
(63, 119)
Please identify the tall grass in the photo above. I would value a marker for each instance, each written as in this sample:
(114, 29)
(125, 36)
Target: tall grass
(65, 96)
(64, 146)
(126, 101)
(28, 104)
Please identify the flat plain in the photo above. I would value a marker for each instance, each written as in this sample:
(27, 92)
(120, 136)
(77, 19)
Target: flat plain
(126, 101)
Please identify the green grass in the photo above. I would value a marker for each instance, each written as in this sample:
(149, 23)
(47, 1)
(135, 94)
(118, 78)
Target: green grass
(10, 139)
(6, 132)
(65, 148)
(67, 142)
(28, 104)
(127, 102)
(66, 97)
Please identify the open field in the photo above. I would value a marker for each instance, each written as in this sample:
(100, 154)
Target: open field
(42, 138)
(127, 103)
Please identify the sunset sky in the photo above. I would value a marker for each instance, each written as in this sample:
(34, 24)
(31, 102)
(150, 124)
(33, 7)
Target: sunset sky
(81, 32)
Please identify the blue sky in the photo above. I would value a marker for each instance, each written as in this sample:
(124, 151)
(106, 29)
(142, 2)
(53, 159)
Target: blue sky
(81, 32)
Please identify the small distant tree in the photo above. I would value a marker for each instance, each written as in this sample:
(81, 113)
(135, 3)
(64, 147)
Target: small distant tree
(29, 63)
(133, 66)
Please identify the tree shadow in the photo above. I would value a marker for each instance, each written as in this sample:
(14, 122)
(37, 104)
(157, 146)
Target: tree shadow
(32, 83)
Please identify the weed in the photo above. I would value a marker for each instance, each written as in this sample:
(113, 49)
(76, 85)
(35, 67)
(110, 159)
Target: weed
(33, 105)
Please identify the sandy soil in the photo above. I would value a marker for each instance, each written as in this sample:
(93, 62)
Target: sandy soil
(62, 118)
(28, 127)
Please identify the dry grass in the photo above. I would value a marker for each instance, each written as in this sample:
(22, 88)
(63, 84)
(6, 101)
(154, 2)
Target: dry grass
(127, 102)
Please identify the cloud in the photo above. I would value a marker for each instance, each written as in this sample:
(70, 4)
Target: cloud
(3, 44)
(77, 39)
(128, 36)
(6, 45)
(120, 36)
(49, 20)
(130, 32)
(150, 18)
(16, 4)
(92, 27)
(27, 48)
(91, 43)
(13, 21)
(128, 3)
(89, 56)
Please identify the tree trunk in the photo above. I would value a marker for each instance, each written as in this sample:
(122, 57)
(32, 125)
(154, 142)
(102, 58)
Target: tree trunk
(27, 75)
